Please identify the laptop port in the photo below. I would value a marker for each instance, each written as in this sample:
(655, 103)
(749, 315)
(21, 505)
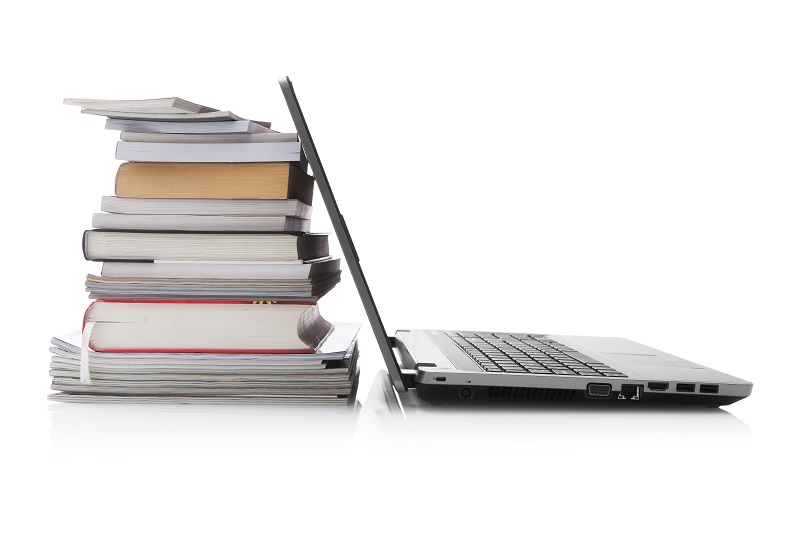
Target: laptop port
(601, 390)
(711, 389)
(658, 385)
(630, 392)
(685, 387)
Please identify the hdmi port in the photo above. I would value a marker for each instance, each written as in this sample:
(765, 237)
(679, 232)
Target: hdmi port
(657, 385)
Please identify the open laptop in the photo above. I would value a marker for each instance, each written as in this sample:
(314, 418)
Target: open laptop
(481, 365)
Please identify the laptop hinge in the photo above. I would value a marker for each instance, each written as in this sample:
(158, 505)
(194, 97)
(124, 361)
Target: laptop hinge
(407, 375)
(409, 378)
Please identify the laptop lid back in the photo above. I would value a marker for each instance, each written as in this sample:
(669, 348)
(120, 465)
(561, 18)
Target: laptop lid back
(346, 243)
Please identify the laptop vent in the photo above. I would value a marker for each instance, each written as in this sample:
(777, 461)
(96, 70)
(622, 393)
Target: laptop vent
(529, 394)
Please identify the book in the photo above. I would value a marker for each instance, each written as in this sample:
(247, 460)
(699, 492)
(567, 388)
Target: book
(101, 245)
(205, 138)
(210, 280)
(198, 223)
(150, 105)
(218, 180)
(208, 152)
(261, 290)
(205, 206)
(153, 126)
(289, 403)
(336, 346)
(327, 376)
(251, 270)
(210, 116)
(204, 326)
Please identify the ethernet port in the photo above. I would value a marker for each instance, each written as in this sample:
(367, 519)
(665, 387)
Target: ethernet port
(630, 392)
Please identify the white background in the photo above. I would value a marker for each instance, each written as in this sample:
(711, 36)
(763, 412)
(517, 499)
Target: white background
(598, 168)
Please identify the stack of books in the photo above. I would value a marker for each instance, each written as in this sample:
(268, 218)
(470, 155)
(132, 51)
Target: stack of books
(210, 277)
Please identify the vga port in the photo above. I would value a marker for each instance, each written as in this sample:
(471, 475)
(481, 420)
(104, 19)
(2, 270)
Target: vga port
(600, 390)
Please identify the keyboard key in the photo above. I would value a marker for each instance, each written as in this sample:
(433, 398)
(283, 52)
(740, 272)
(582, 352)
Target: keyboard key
(584, 358)
(519, 353)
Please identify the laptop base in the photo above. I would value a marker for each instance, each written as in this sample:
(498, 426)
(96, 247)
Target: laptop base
(440, 394)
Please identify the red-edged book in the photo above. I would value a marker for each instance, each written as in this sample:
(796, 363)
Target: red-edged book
(191, 326)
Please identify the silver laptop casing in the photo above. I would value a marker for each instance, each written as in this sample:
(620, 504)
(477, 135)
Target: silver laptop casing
(440, 362)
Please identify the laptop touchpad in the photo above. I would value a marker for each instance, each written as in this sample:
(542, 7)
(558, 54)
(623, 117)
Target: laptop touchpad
(645, 359)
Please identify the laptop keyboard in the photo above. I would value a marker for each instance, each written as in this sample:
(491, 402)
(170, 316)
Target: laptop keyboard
(528, 354)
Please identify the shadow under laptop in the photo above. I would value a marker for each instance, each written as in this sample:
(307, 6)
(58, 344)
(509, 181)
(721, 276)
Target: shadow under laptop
(474, 427)
(158, 429)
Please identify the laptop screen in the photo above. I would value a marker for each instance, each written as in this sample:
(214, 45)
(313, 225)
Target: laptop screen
(343, 235)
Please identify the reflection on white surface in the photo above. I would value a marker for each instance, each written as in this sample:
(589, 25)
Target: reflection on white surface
(387, 421)
(97, 429)
(473, 427)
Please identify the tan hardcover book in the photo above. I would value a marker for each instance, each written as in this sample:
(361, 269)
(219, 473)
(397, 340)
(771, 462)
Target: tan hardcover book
(214, 180)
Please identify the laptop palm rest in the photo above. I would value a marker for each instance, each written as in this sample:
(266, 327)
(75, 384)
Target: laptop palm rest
(629, 359)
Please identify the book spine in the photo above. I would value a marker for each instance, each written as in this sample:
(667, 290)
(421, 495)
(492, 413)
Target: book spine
(84, 245)
(87, 252)
(116, 182)
(85, 315)
(300, 185)
(312, 246)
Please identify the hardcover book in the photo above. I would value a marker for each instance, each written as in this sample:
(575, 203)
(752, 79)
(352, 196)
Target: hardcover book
(205, 326)
(206, 206)
(154, 126)
(208, 152)
(279, 180)
(101, 245)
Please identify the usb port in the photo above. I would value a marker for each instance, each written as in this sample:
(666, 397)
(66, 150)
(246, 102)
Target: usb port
(657, 385)
(711, 389)
(685, 387)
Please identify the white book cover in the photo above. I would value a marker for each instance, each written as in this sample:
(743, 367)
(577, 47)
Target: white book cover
(205, 206)
(208, 153)
(272, 137)
(198, 223)
(167, 117)
(154, 126)
(249, 270)
(150, 105)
